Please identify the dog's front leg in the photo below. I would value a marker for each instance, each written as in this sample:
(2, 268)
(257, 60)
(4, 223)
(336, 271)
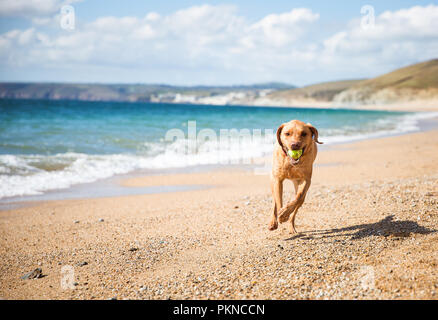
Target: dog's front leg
(294, 205)
(277, 195)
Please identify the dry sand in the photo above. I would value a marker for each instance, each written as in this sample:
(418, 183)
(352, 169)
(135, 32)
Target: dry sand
(368, 231)
(430, 105)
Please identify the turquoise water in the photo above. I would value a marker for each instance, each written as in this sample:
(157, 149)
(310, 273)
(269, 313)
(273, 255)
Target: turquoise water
(46, 145)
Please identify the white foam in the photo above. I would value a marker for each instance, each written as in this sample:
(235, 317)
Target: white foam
(398, 125)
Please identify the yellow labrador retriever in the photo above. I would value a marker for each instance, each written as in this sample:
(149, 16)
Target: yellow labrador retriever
(301, 137)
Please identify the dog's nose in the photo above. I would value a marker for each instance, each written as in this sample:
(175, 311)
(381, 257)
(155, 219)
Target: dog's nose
(296, 146)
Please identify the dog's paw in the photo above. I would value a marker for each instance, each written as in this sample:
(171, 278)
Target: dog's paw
(273, 225)
(283, 215)
(292, 230)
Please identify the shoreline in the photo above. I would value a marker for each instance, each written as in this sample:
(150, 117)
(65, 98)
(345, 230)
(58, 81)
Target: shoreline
(403, 106)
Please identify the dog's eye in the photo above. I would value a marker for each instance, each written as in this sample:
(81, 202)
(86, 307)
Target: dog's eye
(287, 134)
(304, 134)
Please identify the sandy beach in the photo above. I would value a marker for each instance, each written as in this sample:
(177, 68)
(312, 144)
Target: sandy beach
(430, 105)
(368, 230)
(137, 141)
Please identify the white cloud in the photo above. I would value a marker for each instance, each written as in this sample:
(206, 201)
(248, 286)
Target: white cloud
(282, 29)
(397, 36)
(214, 44)
(31, 8)
(28, 7)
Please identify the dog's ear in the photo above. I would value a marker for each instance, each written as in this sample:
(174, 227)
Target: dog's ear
(314, 133)
(279, 137)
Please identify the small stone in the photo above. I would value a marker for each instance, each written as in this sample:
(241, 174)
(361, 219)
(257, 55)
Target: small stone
(81, 264)
(35, 274)
(101, 220)
(133, 249)
(76, 221)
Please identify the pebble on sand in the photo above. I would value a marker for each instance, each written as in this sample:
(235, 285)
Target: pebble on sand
(35, 274)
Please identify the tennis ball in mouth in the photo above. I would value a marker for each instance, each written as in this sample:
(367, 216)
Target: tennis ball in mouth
(295, 154)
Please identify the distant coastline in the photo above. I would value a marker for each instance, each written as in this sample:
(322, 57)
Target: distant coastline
(158, 93)
(412, 88)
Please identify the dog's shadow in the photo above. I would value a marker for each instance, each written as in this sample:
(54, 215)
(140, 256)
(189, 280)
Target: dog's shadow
(385, 227)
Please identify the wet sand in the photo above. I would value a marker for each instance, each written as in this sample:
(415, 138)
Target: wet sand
(368, 230)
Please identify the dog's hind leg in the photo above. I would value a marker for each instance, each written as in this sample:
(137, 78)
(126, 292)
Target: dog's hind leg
(277, 195)
(292, 218)
(294, 205)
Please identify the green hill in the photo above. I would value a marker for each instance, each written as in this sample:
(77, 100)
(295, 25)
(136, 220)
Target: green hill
(412, 83)
(422, 75)
(324, 91)
(417, 82)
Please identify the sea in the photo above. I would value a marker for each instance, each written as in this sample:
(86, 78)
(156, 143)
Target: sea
(49, 145)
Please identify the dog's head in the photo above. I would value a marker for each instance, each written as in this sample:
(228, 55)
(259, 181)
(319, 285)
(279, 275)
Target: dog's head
(296, 135)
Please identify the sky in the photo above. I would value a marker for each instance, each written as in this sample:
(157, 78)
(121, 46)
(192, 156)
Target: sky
(212, 42)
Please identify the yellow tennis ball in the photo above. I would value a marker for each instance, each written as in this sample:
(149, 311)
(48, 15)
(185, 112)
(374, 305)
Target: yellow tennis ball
(295, 154)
